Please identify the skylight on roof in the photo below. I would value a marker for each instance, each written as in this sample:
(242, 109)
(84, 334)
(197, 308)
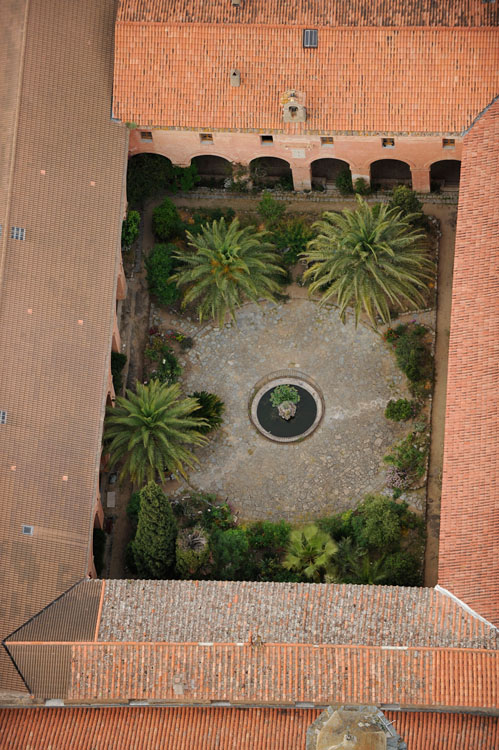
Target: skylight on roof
(28, 530)
(17, 233)
(310, 37)
(3, 416)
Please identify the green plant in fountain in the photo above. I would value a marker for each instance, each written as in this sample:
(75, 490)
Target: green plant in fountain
(310, 552)
(370, 259)
(226, 266)
(150, 430)
(283, 393)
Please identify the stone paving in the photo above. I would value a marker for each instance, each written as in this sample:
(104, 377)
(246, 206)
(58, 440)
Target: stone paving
(342, 460)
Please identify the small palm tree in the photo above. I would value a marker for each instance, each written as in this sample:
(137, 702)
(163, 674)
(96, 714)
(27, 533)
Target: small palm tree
(365, 570)
(226, 266)
(150, 429)
(369, 258)
(310, 552)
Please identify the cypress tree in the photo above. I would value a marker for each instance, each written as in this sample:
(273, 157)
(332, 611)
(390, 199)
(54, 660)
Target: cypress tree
(155, 540)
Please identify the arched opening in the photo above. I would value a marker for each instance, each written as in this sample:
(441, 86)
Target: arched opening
(326, 171)
(445, 175)
(212, 170)
(386, 173)
(269, 171)
(147, 175)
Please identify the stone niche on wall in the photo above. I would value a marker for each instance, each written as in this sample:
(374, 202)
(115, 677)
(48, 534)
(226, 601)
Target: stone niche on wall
(294, 109)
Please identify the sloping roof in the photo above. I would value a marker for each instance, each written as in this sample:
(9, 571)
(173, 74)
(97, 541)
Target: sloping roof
(469, 525)
(314, 12)
(175, 74)
(137, 728)
(57, 298)
(257, 644)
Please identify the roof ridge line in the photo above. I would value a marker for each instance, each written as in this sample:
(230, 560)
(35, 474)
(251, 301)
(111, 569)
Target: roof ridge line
(462, 604)
(350, 27)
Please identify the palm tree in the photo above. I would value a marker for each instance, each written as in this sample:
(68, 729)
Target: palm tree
(226, 266)
(368, 258)
(310, 552)
(150, 430)
(365, 570)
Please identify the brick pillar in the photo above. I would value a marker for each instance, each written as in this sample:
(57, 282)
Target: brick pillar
(420, 180)
(301, 177)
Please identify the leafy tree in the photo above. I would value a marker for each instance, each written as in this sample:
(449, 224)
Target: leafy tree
(130, 229)
(211, 408)
(291, 237)
(368, 258)
(405, 200)
(376, 522)
(310, 552)
(150, 430)
(230, 550)
(344, 182)
(147, 175)
(166, 222)
(154, 544)
(226, 266)
(159, 266)
(270, 209)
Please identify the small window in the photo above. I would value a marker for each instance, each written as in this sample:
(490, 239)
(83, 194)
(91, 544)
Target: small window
(17, 233)
(3, 417)
(145, 135)
(206, 137)
(310, 37)
(28, 530)
(388, 142)
(327, 140)
(448, 143)
(266, 139)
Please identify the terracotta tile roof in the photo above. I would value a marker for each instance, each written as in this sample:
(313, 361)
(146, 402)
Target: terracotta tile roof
(367, 80)
(235, 611)
(66, 191)
(220, 729)
(469, 526)
(314, 12)
(260, 674)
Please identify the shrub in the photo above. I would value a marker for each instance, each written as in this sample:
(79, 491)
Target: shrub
(400, 410)
(266, 535)
(338, 526)
(130, 229)
(218, 517)
(403, 569)
(376, 522)
(147, 176)
(166, 221)
(99, 540)
(189, 508)
(160, 264)
(133, 507)
(207, 216)
(282, 393)
(186, 343)
(211, 408)
(404, 199)
(270, 209)
(185, 178)
(412, 353)
(361, 187)
(154, 546)
(230, 550)
(409, 456)
(168, 369)
(291, 238)
(118, 361)
(192, 552)
(344, 182)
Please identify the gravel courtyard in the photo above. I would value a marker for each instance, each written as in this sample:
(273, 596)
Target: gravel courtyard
(342, 459)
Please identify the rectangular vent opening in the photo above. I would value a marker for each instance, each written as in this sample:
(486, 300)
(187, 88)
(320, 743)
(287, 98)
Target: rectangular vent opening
(28, 530)
(146, 135)
(388, 142)
(17, 233)
(327, 140)
(310, 38)
(3, 416)
(206, 137)
(266, 139)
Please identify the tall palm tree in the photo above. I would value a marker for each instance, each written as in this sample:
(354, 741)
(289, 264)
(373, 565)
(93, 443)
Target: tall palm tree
(150, 429)
(368, 258)
(310, 552)
(226, 266)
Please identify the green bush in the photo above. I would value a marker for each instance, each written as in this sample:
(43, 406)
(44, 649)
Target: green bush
(133, 507)
(409, 455)
(230, 550)
(403, 569)
(376, 522)
(99, 540)
(168, 369)
(130, 229)
(154, 546)
(361, 187)
(338, 526)
(412, 353)
(290, 238)
(344, 182)
(270, 209)
(211, 409)
(267, 535)
(166, 222)
(160, 264)
(217, 517)
(400, 410)
(189, 562)
(208, 216)
(118, 361)
(148, 175)
(404, 199)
